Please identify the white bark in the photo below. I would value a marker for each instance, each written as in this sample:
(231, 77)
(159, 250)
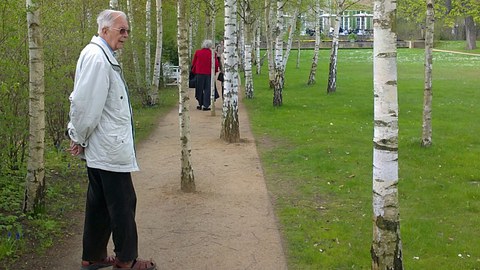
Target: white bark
(258, 61)
(192, 28)
(113, 4)
(136, 62)
(269, 40)
(230, 125)
(157, 67)
(291, 33)
(427, 93)
(279, 72)
(212, 50)
(187, 176)
(332, 72)
(35, 179)
(313, 69)
(386, 248)
(148, 36)
(249, 37)
(241, 44)
(249, 90)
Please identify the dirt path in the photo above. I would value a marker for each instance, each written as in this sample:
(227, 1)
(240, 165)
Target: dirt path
(227, 224)
(447, 51)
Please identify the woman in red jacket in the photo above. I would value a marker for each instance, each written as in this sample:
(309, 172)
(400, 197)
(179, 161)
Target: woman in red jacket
(201, 67)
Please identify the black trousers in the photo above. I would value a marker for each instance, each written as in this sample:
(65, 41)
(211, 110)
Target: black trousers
(202, 90)
(110, 210)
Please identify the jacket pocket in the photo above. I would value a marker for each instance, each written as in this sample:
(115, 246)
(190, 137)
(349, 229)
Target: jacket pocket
(120, 150)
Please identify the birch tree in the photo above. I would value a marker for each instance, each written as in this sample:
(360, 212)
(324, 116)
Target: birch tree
(258, 33)
(386, 250)
(427, 93)
(249, 21)
(187, 176)
(35, 179)
(113, 4)
(269, 41)
(313, 69)
(230, 125)
(136, 63)
(291, 32)
(212, 8)
(157, 67)
(148, 36)
(192, 27)
(279, 71)
(340, 6)
(332, 70)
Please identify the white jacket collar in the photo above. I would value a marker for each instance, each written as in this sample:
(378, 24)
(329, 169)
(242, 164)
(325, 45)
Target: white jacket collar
(108, 51)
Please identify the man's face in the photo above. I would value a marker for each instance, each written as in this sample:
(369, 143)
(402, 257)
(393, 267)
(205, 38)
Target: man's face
(116, 35)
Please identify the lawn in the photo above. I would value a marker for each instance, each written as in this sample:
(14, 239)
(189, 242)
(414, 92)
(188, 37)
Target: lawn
(316, 152)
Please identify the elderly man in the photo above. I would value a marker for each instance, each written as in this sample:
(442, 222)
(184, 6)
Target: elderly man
(101, 131)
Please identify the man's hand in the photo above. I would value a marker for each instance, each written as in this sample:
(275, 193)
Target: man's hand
(75, 149)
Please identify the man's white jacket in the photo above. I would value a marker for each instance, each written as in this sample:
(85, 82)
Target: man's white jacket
(100, 111)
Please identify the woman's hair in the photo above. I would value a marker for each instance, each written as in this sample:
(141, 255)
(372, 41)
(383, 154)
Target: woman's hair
(107, 17)
(207, 43)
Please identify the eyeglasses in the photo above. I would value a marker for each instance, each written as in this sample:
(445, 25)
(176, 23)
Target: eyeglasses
(122, 30)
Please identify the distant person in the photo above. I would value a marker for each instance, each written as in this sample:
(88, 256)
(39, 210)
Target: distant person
(219, 54)
(101, 131)
(201, 67)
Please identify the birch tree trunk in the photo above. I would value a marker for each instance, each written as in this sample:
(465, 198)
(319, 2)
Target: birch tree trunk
(241, 44)
(313, 69)
(291, 32)
(248, 50)
(230, 125)
(157, 67)
(386, 247)
(187, 177)
(427, 93)
(332, 73)
(148, 36)
(35, 178)
(136, 63)
(113, 4)
(258, 61)
(279, 74)
(193, 27)
(269, 41)
(212, 59)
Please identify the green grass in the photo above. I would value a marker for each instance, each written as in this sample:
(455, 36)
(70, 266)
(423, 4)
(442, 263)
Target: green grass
(316, 151)
(457, 45)
(65, 194)
(146, 117)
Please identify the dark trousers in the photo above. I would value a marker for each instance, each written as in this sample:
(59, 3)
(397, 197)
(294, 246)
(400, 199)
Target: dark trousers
(202, 90)
(110, 210)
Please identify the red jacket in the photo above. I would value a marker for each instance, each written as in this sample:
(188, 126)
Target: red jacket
(202, 61)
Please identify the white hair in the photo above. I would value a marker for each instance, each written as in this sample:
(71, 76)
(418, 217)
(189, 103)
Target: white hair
(207, 43)
(107, 17)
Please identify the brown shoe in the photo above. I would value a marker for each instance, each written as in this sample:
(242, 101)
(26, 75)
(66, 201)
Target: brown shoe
(107, 262)
(137, 264)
